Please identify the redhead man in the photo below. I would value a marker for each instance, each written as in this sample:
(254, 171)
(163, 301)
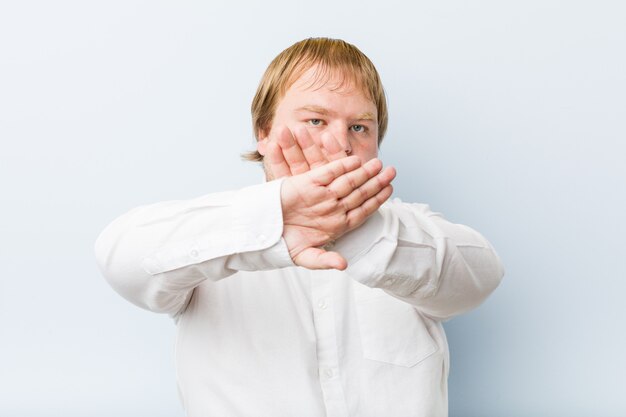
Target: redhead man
(311, 294)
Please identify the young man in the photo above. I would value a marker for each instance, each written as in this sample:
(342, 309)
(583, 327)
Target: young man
(310, 294)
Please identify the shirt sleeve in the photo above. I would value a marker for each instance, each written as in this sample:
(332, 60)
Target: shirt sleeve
(415, 255)
(155, 255)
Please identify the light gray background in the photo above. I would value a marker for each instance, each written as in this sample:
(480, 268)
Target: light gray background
(506, 116)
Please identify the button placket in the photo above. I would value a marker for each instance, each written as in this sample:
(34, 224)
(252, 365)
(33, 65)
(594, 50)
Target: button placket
(327, 373)
(328, 362)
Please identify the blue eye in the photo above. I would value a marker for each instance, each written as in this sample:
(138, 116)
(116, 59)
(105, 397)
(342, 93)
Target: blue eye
(315, 122)
(358, 128)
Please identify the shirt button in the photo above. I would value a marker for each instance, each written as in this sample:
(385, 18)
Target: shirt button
(390, 281)
(327, 373)
(193, 253)
(323, 304)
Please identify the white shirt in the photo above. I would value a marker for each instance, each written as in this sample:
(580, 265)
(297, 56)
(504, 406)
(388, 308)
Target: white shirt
(258, 336)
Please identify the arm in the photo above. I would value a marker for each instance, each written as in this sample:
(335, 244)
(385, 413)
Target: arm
(413, 254)
(155, 255)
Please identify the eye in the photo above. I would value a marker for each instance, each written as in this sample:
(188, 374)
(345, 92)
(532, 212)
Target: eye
(315, 122)
(357, 128)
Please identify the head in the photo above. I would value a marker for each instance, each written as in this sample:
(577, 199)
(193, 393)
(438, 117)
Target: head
(330, 87)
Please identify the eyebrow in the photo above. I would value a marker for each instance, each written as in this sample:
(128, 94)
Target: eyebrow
(326, 112)
(366, 116)
(314, 109)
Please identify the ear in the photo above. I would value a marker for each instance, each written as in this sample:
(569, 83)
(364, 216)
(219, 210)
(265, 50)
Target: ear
(261, 144)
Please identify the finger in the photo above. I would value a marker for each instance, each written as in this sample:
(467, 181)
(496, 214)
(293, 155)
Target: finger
(326, 174)
(351, 181)
(275, 162)
(292, 152)
(311, 150)
(358, 215)
(316, 258)
(369, 189)
(332, 146)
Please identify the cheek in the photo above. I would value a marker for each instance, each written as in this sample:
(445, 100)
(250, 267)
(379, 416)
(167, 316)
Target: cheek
(367, 148)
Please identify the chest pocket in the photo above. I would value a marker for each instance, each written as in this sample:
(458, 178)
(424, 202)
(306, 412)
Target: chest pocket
(392, 331)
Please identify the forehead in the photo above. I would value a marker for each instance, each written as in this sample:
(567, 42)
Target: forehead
(318, 78)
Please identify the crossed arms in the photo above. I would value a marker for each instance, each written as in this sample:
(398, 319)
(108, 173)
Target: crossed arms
(156, 255)
(325, 194)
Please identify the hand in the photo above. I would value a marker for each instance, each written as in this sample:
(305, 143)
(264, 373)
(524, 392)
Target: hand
(321, 205)
(294, 153)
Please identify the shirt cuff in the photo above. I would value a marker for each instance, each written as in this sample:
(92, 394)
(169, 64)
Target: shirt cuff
(364, 247)
(375, 258)
(274, 257)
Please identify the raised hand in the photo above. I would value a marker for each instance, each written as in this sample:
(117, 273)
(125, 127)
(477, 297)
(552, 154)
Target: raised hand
(290, 153)
(321, 205)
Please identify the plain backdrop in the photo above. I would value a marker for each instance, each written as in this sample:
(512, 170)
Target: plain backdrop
(505, 116)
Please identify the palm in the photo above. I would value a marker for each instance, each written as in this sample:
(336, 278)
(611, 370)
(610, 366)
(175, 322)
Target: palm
(321, 205)
(325, 194)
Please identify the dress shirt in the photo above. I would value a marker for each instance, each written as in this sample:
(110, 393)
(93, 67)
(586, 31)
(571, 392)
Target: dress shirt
(259, 336)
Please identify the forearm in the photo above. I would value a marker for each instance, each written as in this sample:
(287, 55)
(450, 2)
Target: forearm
(155, 255)
(443, 269)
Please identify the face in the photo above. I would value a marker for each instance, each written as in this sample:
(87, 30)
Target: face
(342, 111)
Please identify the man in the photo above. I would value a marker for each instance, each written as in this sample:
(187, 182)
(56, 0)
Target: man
(310, 294)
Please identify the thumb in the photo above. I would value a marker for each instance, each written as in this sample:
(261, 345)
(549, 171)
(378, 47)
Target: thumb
(316, 258)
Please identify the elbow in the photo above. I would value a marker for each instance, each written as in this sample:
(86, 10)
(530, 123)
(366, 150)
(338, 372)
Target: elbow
(119, 258)
(465, 282)
(104, 250)
(489, 273)
(479, 272)
(120, 265)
